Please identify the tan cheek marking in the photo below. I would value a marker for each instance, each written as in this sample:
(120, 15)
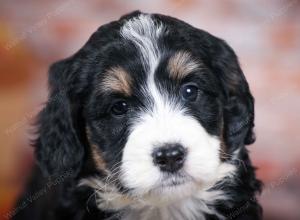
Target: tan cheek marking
(98, 159)
(96, 154)
(182, 64)
(117, 79)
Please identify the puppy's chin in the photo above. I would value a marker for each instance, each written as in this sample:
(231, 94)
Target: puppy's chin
(169, 190)
(166, 194)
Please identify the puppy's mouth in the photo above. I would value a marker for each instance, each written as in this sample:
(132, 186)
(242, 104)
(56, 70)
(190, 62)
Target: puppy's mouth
(171, 188)
(173, 180)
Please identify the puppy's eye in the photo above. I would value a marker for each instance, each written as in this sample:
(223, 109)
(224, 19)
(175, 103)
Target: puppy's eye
(189, 92)
(119, 108)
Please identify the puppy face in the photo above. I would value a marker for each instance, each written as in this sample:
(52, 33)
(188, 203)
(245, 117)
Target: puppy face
(157, 116)
(158, 108)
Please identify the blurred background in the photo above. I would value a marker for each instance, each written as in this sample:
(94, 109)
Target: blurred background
(265, 35)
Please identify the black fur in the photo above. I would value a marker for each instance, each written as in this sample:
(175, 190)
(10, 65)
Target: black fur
(62, 148)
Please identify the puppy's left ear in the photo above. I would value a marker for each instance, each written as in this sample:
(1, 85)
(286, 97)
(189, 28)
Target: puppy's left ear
(59, 147)
(239, 103)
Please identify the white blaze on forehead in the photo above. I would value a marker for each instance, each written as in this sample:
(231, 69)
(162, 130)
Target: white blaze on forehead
(144, 33)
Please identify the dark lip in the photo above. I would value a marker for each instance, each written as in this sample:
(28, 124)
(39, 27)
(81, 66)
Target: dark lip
(173, 183)
(167, 183)
(176, 180)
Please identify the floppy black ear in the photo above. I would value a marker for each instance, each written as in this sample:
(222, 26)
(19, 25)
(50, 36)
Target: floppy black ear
(58, 147)
(239, 103)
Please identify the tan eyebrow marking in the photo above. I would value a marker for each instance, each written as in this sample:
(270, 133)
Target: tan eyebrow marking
(181, 64)
(117, 79)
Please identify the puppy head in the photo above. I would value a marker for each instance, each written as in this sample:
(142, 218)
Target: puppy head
(157, 105)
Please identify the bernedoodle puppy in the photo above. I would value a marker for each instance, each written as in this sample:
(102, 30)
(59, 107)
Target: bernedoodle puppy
(148, 120)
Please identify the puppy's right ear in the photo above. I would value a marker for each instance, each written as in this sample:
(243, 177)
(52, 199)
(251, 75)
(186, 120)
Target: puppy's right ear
(58, 147)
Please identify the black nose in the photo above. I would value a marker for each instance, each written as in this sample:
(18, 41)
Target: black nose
(169, 158)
